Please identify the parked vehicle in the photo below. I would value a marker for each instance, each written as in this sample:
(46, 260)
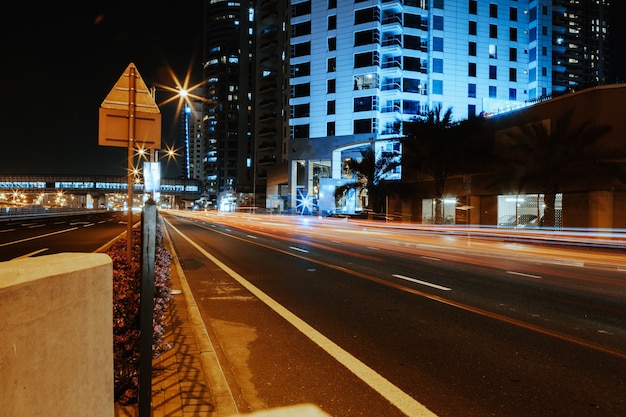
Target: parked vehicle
(521, 220)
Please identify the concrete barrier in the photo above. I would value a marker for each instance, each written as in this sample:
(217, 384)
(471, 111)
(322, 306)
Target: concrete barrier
(56, 340)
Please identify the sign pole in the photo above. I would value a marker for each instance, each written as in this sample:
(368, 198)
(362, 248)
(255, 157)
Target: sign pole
(131, 149)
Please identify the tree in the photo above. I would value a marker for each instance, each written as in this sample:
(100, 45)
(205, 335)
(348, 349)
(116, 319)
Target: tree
(369, 173)
(553, 158)
(438, 147)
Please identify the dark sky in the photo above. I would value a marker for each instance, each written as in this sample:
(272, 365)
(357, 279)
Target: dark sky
(59, 62)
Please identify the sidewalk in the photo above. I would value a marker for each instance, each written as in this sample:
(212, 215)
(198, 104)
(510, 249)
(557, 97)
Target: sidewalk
(181, 382)
(188, 380)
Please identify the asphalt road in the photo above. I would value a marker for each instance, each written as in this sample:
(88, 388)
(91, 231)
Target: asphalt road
(45, 235)
(368, 319)
(372, 321)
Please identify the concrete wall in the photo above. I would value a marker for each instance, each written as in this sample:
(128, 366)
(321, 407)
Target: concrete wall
(56, 343)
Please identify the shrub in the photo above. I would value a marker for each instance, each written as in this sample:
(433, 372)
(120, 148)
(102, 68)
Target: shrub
(126, 296)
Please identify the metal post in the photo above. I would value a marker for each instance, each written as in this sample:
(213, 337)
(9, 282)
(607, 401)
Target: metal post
(148, 254)
(131, 148)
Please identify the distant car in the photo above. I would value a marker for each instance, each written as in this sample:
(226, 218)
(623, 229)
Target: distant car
(522, 220)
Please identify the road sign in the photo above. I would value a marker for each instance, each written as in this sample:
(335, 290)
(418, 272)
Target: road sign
(130, 110)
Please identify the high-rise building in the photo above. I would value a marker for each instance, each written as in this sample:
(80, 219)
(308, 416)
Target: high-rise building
(579, 43)
(271, 102)
(369, 65)
(334, 77)
(195, 143)
(228, 71)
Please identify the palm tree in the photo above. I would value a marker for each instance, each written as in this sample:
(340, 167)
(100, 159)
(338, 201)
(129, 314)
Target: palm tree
(369, 173)
(552, 159)
(439, 147)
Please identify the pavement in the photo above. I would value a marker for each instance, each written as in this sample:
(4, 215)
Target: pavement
(188, 380)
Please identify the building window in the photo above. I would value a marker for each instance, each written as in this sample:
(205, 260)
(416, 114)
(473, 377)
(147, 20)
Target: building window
(363, 126)
(301, 9)
(332, 4)
(301, 110)
(371, 14)
(301, 90)
(438, 65)
(301, 131)
(301, 70)
(472, 30)
(301, 49)
(493, 10)
(364, 103)
(471, 69)
(471, 48)
(438, 4)
(473, 7)
(411, 85)
(332, 44)
(330, 107)
(438, 22)
(513, 54)
(437, 44)
(330, 86)
(410, 107)
(471, 90)
(330, 129)
(411, 63)
(412, 42)
(493, 92)
(366, 37)
(513, 34)
(332, 22)
(301, 29)
(332, 64)
(493, 31)
(437, 87)
(512, 94)
(493, 72)
(512, 74)
(493, 51)
(366, 59)
(513, 14)
(471, 110)
(544, 51)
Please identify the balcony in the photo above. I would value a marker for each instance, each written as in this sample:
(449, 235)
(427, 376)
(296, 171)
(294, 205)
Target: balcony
(267, 160)
(267, 146)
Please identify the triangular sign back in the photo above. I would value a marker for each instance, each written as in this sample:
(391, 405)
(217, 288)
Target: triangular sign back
(114, 114)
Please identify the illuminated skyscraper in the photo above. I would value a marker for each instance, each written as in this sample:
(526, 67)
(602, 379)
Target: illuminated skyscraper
(297, 87)
(228, 68)
(360, 68)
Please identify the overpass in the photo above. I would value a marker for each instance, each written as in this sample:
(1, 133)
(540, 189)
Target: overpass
(109, 192)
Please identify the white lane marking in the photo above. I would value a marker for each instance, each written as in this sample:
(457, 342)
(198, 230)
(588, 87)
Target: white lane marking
(37, 237)
(404, 402)
(430, 258)
(28, 255)
(418, 281)
(32, 226)
(298, 249)
(523, 274)
(7, 230)
(252, 237)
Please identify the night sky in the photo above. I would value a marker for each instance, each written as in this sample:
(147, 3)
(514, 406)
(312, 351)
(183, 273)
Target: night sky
(60, 62)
